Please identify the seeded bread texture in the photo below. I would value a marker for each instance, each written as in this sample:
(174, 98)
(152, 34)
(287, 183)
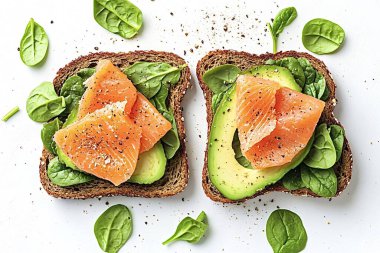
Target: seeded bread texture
(176, 173)
(243, 60)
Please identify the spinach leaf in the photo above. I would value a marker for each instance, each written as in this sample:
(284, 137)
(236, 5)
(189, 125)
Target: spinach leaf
(324, 183)
(118, 16)
(322, 154)
(308, 70)
(285, 232)
(220, 78)
(86, 73)
(238, 154)
(43, 103)
(284, 18)
(72, 116)
(47, 133)
(337, 136)
(294, 67)
(72, 90)
(113, 228)
(63, 176)
(292, 180)
(318, 88)
(189, 230)
(170, 140)
(322, 36)
(148, 77)
(10, 114)
(34, 44)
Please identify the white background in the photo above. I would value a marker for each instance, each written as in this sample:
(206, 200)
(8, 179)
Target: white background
(32, 221)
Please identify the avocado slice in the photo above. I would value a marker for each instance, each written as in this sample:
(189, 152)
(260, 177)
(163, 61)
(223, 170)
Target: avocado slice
(150, 165)
(275, 73)
(233, 180)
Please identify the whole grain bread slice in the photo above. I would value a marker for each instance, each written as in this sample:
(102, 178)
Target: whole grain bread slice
(176, 173)
(244, 60)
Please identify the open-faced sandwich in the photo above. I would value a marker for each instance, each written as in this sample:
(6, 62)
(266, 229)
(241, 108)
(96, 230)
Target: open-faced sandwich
(271, 126)
(115, 126)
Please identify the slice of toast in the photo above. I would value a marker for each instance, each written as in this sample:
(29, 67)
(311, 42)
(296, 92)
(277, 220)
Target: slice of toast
(244, 61)
(176, 173)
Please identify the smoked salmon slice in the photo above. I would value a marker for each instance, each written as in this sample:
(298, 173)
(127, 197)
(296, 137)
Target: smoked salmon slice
(154, 126)
(274, 123)
(108, 85)
(256, 116)
(104, 143)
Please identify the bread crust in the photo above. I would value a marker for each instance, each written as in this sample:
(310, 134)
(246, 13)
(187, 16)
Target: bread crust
(244, 60)
(176, 173)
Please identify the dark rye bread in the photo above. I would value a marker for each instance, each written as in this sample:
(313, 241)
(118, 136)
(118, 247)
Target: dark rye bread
(244, 60)
(176, 174)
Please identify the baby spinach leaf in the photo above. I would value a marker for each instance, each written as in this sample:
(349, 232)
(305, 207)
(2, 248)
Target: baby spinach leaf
(292, 180)
(284, 18)
(34, 44)
(63, 176)
(44, 104)
(170, 140)
(293, 65)
(322, 36)
(72, 90)
(285, 232)
(72, 116)
(86, 73)
(308, 70)
(10, 114)
(318, 88)
(216, 99)
(47, 133)
(220, 78)
(113, 228)
(118, 16)
(324, 183)
(337, 136)
(322, 154)
(238, 154)
(148, 77)
(189, 230)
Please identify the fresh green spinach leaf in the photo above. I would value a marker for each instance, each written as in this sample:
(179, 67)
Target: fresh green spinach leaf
(189, 230)
(72, 116)
(72, 90)
(34, 44)
(86, 73)
(148, 77)
(292, 180)
(220, 78)
(170, 141)
(113, 228)
(322, 36)
(318, 88)
(284, 18)
(337, 136)
(10, 114)
(322, 154)
(308, 70)
(324, 183)
(44, 104)
(47, 134)
(285, 232)
(242, 160)
(118, 16)
(294, 67)
(63, 176)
